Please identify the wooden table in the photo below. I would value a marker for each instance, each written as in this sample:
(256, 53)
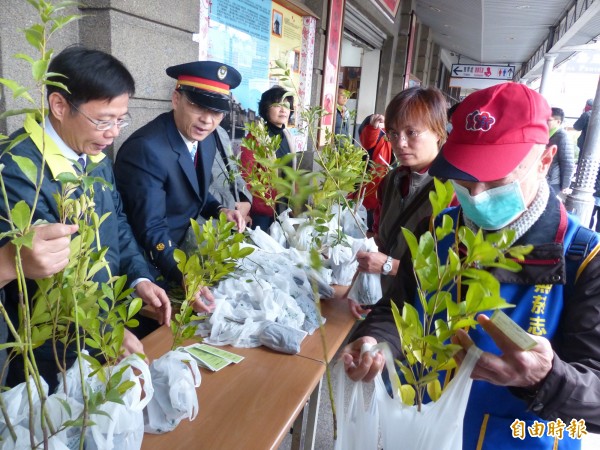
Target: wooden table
(250, 405)
(253, 404)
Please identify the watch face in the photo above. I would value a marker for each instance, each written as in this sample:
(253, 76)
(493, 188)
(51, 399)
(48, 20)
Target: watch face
(387, 267)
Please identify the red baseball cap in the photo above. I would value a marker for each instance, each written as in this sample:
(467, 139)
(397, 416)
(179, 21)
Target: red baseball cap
(492, 131)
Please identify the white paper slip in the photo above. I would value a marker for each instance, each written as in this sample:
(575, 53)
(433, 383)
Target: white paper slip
(513, 331)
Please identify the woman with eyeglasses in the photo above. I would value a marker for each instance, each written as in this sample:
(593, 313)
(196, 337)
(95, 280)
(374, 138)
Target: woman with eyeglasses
(274, 107)
(415, 123)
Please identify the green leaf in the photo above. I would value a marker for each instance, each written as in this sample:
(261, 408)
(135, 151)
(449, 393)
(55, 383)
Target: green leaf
(134, 307)
(464, 323)
(24, 57)
(133, 323)
(35, 36)
(21, 214)
(67, 177)
(92, 343)
(28, 168)
(407, 394)
(411, 241)
(520, 251)
(16, 112)
(25, 240)
(441, 329)
(39, 69)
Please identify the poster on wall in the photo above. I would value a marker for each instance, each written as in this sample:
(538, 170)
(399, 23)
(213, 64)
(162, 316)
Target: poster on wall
(239, 34)
(250, 35)
(286, 41)
(330, 72)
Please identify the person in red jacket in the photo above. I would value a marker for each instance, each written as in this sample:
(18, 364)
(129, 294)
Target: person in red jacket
(274, 107)
(372, 138)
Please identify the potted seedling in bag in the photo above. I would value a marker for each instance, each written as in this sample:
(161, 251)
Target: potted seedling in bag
(453, 284)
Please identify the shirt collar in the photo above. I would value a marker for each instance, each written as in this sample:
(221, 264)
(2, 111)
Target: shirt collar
(56, 160)
(67, 151)
(189, 144)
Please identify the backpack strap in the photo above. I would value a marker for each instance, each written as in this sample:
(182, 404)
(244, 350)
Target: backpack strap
(583, 248)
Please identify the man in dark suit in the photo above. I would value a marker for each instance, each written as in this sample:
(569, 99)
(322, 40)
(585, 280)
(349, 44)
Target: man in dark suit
(164, 171)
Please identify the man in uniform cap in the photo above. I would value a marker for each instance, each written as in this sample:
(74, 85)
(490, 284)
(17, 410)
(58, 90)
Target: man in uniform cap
(497, 158)
(178, 167)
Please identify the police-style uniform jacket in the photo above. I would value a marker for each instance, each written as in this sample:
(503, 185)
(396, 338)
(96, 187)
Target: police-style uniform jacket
(123, 255)
(567, 314)
(162, 190)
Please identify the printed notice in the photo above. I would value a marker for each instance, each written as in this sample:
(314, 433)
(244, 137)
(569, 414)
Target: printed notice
(513, 331)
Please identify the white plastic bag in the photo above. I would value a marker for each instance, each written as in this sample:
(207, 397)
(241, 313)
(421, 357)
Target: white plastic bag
(354, 224)
(357, 423)
(367, 288)
(343, 266)
(175, 377)
(265, 241)
(439, 425)
(122, 428)
(17, 406)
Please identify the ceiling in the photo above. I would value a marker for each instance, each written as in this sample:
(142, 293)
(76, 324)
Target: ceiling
(510, 31)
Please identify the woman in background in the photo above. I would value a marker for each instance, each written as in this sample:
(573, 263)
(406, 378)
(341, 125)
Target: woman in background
(274, 107)
(372, 137)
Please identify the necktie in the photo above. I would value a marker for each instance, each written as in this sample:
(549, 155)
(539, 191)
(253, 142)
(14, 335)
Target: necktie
(81, 161)
(193, 151)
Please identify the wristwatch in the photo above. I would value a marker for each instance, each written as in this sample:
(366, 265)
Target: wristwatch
(387, 266)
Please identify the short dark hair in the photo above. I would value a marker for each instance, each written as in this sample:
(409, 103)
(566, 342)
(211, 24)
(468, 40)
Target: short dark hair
(271, 96)
(90, 75)
(558, 112)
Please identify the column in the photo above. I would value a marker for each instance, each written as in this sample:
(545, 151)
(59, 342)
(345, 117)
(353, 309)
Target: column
(547, 73)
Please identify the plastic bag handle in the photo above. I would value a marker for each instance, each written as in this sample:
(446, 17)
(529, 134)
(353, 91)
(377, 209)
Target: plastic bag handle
(135, 362)
(465, 369)
(384, 348)
(183, 357)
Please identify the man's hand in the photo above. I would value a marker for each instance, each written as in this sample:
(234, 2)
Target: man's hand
(365, 367)
(50, 251)
(244, 209)
(131, 344)
(370, 262)
(377, 121)
(357, 310)
(515, 367)
(48, 255)
(205, 301)
(155, 296)
(235, 216)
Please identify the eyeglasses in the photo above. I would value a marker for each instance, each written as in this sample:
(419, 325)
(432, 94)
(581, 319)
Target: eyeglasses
(104, 125)
(197, 109)
(409, 134)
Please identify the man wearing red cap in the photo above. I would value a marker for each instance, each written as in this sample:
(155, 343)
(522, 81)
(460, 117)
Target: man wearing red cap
(497, 157)
(164, 170)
